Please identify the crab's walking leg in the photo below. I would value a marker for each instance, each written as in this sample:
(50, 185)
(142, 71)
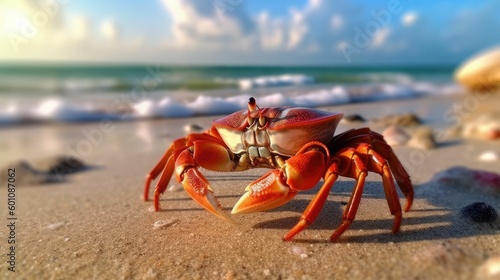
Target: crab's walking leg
(403, 180)
(355, 169)
(381, 147)
(313, 209)
(354, 137)
(378, 164)
(156, 171)
(162, 184)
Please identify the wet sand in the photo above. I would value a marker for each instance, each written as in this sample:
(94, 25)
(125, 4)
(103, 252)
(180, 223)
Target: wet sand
(94, 225)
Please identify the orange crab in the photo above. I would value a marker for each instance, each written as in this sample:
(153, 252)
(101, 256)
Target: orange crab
(299, 145)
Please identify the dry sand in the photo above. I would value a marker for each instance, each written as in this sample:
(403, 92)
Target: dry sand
(94, 225)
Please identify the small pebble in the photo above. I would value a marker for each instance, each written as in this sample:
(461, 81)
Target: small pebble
(151, 209)
(164, 223)
(56, 226)
(175, 188)
(490, 269)
(480, 212)
(300, 251)
(489, 156)
(192, 128)
(405, 120)
(422, 138)
(395, 136)
(353, 118)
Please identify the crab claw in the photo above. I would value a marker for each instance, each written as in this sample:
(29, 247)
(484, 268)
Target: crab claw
(267, 192)
(199, 189)
(301, 172)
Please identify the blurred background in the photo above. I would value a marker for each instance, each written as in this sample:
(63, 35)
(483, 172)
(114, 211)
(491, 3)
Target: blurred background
(68, 60)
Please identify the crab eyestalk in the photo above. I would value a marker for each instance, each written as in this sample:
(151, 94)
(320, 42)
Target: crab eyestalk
(252, 107)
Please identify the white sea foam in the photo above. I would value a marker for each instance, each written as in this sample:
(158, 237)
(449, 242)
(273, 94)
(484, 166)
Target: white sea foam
(10, 115)
(273, 81)
(67, 109)
(62, 111)
(165, 108)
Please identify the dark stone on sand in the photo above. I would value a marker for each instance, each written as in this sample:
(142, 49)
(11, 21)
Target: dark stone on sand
(28, 175)
(47, 170)
(404, 120)
(354, 118)
(480, 212)
(62, 165)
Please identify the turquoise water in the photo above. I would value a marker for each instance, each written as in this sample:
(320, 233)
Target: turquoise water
(71, 93)
(30, 79)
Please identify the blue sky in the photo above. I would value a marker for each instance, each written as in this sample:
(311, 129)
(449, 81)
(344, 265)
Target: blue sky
(304, 32)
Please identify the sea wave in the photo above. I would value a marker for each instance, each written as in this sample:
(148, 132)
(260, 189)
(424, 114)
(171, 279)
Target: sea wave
(273, 81)
(63, 109)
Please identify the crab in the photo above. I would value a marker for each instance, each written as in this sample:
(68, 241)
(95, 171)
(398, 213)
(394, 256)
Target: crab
(299, 145)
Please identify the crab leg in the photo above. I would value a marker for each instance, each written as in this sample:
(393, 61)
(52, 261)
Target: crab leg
(378, 164)
(156, 171)
(357, 170)
(354, 137)
(313, 209)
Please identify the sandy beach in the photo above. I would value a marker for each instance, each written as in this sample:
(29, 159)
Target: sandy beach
(94, 224)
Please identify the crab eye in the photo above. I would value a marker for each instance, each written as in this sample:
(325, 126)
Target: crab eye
(252, 105)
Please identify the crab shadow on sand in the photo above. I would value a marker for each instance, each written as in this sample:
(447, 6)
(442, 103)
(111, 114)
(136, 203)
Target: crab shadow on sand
(435, 213)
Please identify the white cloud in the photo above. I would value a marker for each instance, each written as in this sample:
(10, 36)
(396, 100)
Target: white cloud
(207, 23)
(224, 30)
(409, 18)
(109, 30)
(337, 22)
(80, 28)
(380, 37)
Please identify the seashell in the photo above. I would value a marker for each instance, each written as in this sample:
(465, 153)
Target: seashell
(300, 251)
(422, 138)
(486, 126)
(164, 223)
(395, 136)
(472, 179)
(489, 156)
(481, 72)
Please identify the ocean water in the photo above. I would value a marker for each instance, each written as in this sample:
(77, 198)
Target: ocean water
(75, 93)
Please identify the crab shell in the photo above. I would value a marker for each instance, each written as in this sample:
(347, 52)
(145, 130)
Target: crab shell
(285, 131)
